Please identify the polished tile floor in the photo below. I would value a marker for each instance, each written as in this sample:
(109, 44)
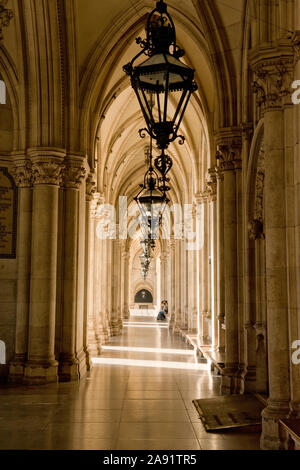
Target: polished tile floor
(138, 396)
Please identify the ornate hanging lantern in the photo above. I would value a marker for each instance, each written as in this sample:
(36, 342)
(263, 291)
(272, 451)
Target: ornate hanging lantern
(161, 75)
(152, 202)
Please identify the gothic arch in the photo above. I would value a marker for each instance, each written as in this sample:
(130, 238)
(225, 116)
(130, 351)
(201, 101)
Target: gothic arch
(9, 74)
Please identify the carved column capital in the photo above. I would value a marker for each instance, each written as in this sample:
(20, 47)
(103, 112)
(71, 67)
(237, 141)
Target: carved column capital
(90, 187)
(47, 165)
(219, 173)
(229, 149)
(5, 17)
(273, 75)
(164, 256)
(22, 173)
(211, 185)
(296, 46)
(202, 197)
(74, 173)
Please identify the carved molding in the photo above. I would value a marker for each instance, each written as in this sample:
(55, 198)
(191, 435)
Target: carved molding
(22, 173)
(5, 17)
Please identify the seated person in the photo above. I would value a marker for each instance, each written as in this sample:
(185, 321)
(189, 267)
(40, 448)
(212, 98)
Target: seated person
(161, 316)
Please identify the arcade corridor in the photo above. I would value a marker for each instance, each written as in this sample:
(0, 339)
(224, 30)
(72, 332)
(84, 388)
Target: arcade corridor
(124, 403)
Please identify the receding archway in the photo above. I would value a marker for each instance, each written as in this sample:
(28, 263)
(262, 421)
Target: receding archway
(143, 297)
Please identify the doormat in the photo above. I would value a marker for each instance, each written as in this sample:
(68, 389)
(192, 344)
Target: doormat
(231, 411)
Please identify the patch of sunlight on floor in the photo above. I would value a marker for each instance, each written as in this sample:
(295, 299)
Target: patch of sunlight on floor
(184, 352)
(127, 325)
(144, 363)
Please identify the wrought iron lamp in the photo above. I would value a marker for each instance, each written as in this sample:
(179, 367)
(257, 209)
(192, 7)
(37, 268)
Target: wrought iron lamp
(161, 75)
(151, 201)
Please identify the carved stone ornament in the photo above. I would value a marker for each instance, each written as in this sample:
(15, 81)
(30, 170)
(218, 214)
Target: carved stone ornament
(255, 226)
(296, 45)
(272, 82)
(22, 173)
(5, 16)
(255, 229)
(74, 173)
(90, 186)
(47, 171)
(229, 154)
(211, 185)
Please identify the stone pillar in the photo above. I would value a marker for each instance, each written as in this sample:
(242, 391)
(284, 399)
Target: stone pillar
(204, 271)
(212, 200)
(92, 344)
(113, 291)
(295, 256)
(190, 228)
(220, 261)
(68, 362)
(229, 152)
(104, 320)
(249, 314)
(100, 326)
(23, 180)
(41, 366)
(272, 84)
(163, 275)
(172, 283)
(125, 281)
(177, 286)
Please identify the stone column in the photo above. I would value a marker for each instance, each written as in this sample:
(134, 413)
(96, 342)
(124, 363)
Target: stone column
(163, 275)
(103, 301)
(212, 199)
(295, 256)
(41, 366)
(113, 291)
(68, 362)
(124, 280)
(177, 285)
(125, 310)
(172, 283)
(229, 152)
(220, 261)
(92, 346)
(272, 84)
(204, 271)
(23, 180)
(100, 327)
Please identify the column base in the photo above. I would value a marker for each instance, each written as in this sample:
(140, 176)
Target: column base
(250, 385)
(83, 367)
(114, 328)
(270, 438)
(229, 381)
(172, 320)
(88, 359)
(126, 314)
(17, 368)
(68, 369)
(103, 337)
(40, 372)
